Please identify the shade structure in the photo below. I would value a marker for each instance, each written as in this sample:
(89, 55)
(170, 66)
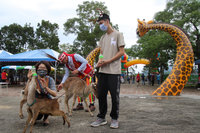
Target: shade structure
(29, 57)
(4, 54)
(16, 67)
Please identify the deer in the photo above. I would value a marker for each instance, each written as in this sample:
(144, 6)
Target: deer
(24, 99)
(42, 106)
(75, 86)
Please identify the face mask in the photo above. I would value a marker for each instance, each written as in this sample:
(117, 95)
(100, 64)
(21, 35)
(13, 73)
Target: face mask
(42, 73)
(103, 27)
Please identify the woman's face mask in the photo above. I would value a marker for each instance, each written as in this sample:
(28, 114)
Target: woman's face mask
(42, 73)
(103, 27)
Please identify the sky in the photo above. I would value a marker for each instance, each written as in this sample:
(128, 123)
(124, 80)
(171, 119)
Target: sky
(122, 12)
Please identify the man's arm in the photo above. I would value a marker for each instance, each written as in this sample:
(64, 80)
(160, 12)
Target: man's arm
(117, 56)
(83, 61)
(66, 75)
(60, 86)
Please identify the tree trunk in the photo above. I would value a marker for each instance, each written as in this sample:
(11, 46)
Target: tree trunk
(161, 73)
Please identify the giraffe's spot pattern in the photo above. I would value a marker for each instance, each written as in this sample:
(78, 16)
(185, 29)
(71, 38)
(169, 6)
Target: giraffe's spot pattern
(182, 67)
(91, 57)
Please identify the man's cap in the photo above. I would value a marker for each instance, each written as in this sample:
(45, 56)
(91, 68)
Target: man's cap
(62, 56)
(103, 17)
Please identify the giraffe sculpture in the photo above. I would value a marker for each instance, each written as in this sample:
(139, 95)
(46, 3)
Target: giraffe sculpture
(182, 68)
(92, 55)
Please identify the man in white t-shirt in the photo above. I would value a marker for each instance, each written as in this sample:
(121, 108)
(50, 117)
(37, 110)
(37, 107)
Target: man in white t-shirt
(112, 48)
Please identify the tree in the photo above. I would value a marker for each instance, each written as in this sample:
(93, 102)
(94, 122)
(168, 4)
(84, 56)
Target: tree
(185, 14)
(157, 42)
(46, 36)
(15, 38)
(85, 27)
(29, 35)
(133, 51)
(68, 48)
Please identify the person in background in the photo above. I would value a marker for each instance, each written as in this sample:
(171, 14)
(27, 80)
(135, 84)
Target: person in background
(133, 79)
(143, 79)
(128, 79)
(198, 85)
(4, 76)
(152, 79)
(122, 79)
(158, 78)
(149, 78)
(138, 79)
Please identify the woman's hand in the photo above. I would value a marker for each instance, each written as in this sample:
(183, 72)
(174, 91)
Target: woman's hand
(43, 83)
(47, 89)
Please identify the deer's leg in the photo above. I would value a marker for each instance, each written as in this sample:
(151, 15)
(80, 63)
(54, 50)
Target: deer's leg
(74, 100)
(20, 109)
(91, 114)
(35, 115)
(67, 104)
(30, 115)
(61, 113)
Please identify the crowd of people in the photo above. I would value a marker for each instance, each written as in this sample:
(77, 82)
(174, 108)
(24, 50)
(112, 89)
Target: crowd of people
(14, 77)
(142, 79)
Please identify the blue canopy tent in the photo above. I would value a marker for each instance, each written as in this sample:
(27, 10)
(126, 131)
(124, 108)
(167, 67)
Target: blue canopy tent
(4, 53)
(30, 58)
(17, 67)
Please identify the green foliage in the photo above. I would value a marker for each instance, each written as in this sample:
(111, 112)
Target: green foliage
(133, 51)
(15, 38)
(47, 36)
(185, 14)
(85, 27)
(154, 42)
(66, 48)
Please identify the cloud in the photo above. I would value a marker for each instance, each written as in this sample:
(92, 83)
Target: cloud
(124, 13)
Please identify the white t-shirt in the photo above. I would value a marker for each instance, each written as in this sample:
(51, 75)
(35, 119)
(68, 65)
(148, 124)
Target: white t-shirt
(109, 44)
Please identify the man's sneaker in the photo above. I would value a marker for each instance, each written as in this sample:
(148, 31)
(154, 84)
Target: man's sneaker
(114, 124)
(78, 107)
(99, 122)
(92, 108)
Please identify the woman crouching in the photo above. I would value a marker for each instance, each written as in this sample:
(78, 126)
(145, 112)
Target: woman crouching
(45, 84)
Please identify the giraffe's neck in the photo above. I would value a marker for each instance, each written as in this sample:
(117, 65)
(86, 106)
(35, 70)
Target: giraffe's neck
(179, 36)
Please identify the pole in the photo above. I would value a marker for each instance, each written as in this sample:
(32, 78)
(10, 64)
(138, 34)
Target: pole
(55, 71)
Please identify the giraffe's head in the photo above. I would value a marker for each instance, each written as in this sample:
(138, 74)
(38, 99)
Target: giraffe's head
(142, 27)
